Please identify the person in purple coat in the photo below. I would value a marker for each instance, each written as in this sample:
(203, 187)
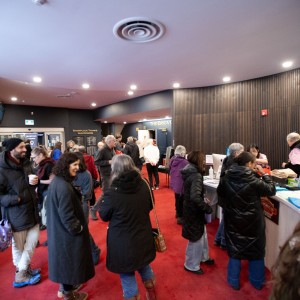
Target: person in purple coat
(177, 163)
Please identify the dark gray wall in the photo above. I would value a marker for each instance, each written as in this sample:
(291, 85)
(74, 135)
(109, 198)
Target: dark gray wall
(69, 119)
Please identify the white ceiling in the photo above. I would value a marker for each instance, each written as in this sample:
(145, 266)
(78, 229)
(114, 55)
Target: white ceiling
(68, 42)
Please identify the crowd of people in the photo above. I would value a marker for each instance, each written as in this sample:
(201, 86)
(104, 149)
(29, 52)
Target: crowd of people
(55, 191)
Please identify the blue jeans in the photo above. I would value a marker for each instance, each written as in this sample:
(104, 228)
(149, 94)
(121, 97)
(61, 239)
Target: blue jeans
(129, 284)
(256, 272)
(220, 236)
(194, 254)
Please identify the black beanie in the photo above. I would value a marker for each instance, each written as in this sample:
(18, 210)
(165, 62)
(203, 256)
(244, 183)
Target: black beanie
(11, 144)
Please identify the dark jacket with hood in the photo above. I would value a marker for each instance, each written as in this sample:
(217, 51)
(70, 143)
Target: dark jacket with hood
(69, 251)
(126, 205)
(240, 192)
(194, 207)
(14, 184)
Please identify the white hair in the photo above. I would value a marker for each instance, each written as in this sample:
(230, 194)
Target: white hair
(293, 137)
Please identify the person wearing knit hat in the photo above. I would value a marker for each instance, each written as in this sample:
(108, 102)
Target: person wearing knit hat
(11, 144)
(17, 196)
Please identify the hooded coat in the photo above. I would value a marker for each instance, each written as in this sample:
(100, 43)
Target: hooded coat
(126, 205)
(240, 192)
(177, 163)
(194, 207)
(14, 184)
(69, 250)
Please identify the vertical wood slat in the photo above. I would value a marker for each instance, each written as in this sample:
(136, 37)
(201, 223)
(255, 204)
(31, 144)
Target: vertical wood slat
(211, 118)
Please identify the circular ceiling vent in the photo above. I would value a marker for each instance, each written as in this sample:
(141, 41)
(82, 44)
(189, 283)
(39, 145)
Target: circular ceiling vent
(139, 30)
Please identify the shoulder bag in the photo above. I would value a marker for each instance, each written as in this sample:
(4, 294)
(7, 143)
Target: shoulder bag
(159, 240)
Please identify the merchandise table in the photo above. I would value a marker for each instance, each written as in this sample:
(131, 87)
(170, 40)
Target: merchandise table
(281, 218)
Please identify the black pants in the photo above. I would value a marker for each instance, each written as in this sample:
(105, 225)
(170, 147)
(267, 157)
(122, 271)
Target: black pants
(179, 205)
(152, 171)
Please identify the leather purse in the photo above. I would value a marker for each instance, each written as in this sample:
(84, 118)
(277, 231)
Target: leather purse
(159, 239)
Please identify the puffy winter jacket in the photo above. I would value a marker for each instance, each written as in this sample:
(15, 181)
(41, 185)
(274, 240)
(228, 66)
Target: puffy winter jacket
(13, 185)
(194, 207)
(240, 192)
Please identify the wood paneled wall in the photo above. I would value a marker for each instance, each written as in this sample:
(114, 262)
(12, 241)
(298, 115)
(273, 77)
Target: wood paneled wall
(211, 118)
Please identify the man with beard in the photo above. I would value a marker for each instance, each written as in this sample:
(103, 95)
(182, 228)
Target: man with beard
(19, 205)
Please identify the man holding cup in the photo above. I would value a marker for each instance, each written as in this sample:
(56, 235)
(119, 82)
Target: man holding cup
(19, 205)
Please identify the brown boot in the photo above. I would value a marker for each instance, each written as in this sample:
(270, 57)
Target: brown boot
(150, 286)
(75, 296)
(136, 297)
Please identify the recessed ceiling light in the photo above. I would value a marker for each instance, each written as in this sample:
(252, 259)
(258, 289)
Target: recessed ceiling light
(124, 122)
(287, 64)
(176, 85)
(105, 122)
(37, 79)
(144, 119)
(167, 117)
(226, 79)
(14, 98)
(133, 87)
(130, 93)
(93, 104)
(85, 86)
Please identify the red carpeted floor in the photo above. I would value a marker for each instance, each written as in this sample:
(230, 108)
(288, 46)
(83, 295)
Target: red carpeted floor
(173, 282)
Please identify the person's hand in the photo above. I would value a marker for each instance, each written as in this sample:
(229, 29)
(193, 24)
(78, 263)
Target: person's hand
(207, 201)
(260, 170)
(283, 165)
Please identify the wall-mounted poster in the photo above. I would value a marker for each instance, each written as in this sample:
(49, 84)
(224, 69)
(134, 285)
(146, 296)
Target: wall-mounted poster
(91, 145)
(79, 140)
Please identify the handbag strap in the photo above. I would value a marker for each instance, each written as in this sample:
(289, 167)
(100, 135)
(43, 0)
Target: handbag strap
(154, 209)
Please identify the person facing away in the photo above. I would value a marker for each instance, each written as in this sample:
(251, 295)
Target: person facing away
(240, 191)
(126, 204)
(19, 205)
(234, 150)
(132, 149)
(286, 271)
(70, 259)
(56, 152)
(177, 163)
(293, 140)
(152, 155)
(194, 210)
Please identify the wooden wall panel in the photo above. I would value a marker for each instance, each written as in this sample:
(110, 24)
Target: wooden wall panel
(211, 118)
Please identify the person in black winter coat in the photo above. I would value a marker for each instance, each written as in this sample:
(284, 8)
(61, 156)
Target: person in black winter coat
(194, 210)
(240, 192)
(20, 208)
(130, 244)
(69, 252)
(132, 149)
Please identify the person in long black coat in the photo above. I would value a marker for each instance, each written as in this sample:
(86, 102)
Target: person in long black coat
(130, 244)
(69, 251)
(194, 210)
(240, 192)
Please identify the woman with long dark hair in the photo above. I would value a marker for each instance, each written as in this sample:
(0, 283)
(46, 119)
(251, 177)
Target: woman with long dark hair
(69, 252)
(194, 210)
(126, 204)
(240, 192)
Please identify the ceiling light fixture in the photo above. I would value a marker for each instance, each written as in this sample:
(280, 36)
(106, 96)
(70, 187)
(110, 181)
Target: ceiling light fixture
(226, 79)
(130, 93)
(133, 87)
(14, 99)
(287, 64)
(124, 122)
(85, 86)
(176, 85)
(93, 104)
(37, 79)
(105, 122)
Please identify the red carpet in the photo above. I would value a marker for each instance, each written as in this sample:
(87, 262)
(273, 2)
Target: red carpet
(173, 282)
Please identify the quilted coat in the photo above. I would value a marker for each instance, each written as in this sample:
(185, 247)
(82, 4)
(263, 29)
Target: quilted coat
(240, 192)
(194, 207)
